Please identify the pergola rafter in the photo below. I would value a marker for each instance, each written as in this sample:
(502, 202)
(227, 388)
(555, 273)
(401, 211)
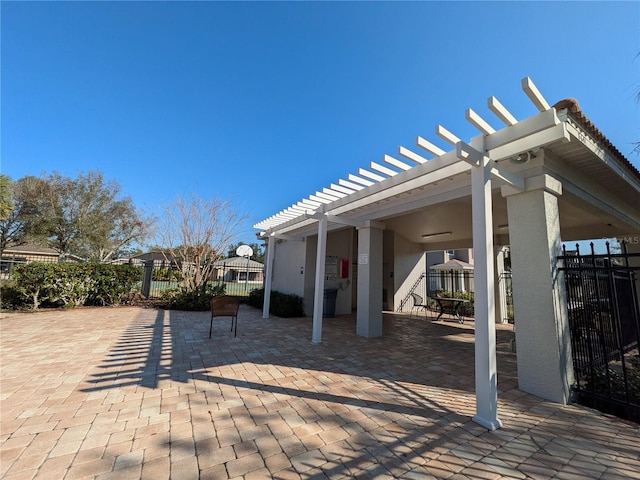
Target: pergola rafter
(501, 144)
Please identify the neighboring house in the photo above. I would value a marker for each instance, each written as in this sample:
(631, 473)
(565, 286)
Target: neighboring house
(238, 270)
(18, 254)
(528, 185)
(160, 260)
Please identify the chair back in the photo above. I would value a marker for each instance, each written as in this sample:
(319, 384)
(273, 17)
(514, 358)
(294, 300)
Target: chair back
(224, 306)
(417, 299)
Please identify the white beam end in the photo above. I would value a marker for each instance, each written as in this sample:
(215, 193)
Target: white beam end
(477, 121)
(360, 180)
(406, 153)
(395, 162)
(382, 169)
(446, 135)
(534, 94)
(371, 175)
(429, 147)
(501, 111)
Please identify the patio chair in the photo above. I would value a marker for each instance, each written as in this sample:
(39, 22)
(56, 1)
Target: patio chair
(225, 306)
(418, 303)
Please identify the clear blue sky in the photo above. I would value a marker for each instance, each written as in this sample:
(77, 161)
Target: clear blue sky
(268, 102)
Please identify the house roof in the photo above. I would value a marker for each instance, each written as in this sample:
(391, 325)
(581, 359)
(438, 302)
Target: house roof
(31, 249)
(572, 105)
(238, 262)
(453, 264)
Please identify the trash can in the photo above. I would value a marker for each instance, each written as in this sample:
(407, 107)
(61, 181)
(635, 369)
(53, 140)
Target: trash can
(329, 302)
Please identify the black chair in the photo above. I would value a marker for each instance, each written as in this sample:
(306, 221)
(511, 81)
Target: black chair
(225, 306)
(418, 303)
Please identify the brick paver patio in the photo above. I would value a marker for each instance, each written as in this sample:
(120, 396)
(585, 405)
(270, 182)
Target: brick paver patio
(129, 393)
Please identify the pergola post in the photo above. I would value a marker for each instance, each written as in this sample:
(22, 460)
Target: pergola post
(266, 304)
(545, 367)
(369, 312)
(318, 296)
(486, 376)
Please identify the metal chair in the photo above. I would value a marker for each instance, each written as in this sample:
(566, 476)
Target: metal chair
(225, 306)
(418, 303)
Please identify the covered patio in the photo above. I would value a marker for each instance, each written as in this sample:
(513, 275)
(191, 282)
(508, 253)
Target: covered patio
(530, 184)
(105, 393)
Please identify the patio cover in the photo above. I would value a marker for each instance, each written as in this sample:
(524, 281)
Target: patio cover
(553, 175)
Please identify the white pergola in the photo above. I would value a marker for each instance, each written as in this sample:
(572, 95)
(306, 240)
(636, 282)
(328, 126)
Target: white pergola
(529, 163)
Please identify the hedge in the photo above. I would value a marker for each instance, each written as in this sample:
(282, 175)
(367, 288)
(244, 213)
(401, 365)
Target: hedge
(72, 284)
(281, 305)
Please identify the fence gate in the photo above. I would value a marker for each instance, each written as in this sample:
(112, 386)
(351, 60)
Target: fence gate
(604, 324)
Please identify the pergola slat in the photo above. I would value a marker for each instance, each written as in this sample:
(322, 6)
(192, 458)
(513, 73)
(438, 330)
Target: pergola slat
(395, 162)
(429, 147)
(406, 153)
(534, 94)
(501, 111)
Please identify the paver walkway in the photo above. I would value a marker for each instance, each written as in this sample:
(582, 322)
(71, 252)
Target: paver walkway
(129, 393)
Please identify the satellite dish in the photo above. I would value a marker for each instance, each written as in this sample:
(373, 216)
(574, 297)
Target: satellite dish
(244, 251)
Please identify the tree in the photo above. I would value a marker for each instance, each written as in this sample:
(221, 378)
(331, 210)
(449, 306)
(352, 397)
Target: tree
(18, 210)
(11, 230)
(196, 233)
(86, 216)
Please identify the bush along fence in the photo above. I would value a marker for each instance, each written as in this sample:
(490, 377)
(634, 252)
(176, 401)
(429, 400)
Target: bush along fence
(69, 285)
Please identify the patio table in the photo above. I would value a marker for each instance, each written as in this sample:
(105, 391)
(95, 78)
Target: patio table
(450, 306)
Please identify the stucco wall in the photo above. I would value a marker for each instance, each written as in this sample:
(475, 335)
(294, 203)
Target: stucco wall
(409, 264)
(288, 267)
(340, 245)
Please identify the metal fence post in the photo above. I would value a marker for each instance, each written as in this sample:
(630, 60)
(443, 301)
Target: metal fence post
(146, 280)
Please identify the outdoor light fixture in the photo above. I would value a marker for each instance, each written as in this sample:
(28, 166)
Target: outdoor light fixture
(521, 158)
(439, 234)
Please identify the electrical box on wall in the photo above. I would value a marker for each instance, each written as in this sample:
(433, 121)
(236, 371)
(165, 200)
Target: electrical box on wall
(344, 268)
(336, 268)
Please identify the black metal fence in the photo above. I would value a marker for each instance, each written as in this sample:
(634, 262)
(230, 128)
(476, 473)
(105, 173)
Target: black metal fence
(162, 276)
(604, 324)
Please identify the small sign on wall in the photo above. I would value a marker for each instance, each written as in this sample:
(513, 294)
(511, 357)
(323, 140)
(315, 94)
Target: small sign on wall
(363, 259)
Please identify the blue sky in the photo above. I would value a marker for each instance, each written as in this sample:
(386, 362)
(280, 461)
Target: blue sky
(267, 102)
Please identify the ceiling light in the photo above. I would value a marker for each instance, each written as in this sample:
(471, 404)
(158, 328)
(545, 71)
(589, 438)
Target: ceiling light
(439, 234)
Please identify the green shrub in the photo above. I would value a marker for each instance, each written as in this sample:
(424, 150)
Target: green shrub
(74, 284)
(466, 309)
(198, 300)
(10, 297)
(281, 304)
(113, 284)
(167, 275)
(34, 282)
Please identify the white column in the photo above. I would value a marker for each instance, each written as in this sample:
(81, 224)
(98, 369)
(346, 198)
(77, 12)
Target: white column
(369, 314)
(542, 335)
(266, 305)
(485, 334)
(318, 295)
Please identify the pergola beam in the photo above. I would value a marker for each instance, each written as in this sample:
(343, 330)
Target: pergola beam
(360, 180)
(395, 162)
(411, 155)
(477, 121)
(429, 147)
(349, 185)
(501, 112)
(534, 94)
(446, 135)
(333, 193)
(382, 169)
(371, 175)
